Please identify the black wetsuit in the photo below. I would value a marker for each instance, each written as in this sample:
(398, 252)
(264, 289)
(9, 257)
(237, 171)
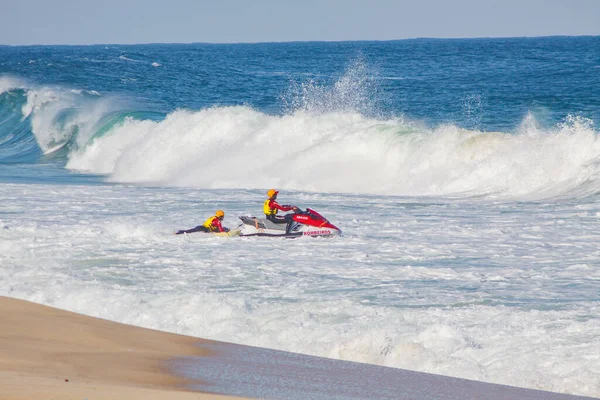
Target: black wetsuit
(199, 228)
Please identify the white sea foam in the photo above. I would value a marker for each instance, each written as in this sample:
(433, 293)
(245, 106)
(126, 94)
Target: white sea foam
(229, 147)
(125, 58)
(498, 292)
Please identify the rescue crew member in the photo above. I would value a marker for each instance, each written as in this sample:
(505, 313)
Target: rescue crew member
(211, 225)
(271, 207)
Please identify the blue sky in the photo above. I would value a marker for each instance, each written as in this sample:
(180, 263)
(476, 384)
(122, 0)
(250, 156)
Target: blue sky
(232, 21)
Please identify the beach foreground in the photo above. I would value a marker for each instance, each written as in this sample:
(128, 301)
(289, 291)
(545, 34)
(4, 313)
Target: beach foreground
(47, 353)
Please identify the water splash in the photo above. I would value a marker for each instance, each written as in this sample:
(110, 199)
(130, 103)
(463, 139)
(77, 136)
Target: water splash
(473, 109)
(356, 91)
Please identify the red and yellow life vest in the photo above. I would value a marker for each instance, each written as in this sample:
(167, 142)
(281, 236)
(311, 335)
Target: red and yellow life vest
(268, 210)
(209, 224)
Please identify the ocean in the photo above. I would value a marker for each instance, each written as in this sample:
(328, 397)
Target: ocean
(464, 174)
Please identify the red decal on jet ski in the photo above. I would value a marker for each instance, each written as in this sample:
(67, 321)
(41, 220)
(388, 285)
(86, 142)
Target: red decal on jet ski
(317, 232)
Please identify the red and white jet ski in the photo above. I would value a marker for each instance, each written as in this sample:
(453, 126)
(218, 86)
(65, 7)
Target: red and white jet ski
(304, 223)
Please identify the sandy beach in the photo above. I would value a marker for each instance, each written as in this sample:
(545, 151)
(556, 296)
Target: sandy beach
(52, 354)
(47, 353)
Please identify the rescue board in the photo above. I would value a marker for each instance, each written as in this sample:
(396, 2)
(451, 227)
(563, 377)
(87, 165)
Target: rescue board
(232, 232)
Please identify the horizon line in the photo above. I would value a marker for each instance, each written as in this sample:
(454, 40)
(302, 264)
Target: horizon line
(303, 41)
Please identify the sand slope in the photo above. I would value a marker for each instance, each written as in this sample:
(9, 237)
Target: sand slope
(54, 354)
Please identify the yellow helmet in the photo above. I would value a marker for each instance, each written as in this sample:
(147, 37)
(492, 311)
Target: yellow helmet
(219, 213)
(272, 193)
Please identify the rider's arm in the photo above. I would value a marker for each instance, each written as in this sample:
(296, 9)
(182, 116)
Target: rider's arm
(274, 204)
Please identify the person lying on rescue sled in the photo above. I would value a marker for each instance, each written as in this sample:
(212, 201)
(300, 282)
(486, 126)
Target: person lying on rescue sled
(271, 207)
(211, 225)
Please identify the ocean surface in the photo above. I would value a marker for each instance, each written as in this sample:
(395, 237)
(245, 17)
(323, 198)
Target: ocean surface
(464, 174)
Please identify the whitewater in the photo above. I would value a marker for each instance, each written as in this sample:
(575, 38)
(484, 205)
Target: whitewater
(470, 242)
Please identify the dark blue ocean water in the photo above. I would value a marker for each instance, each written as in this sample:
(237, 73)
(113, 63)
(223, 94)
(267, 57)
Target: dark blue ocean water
(486, 84)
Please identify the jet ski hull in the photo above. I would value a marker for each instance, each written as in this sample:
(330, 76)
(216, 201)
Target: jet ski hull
(308, 223)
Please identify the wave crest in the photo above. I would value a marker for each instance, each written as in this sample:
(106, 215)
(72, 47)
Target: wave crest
(238, 147)
(332, 141)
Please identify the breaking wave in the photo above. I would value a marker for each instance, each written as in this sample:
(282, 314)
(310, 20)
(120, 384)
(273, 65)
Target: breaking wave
(328, 140)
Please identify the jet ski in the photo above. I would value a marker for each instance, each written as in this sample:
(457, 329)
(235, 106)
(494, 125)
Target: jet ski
(304, 223)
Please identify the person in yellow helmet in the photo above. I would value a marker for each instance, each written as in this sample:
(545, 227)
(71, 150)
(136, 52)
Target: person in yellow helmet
(271, 207)
(211, 225)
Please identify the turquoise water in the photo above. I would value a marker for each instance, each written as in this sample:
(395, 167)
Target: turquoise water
(463, 173)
